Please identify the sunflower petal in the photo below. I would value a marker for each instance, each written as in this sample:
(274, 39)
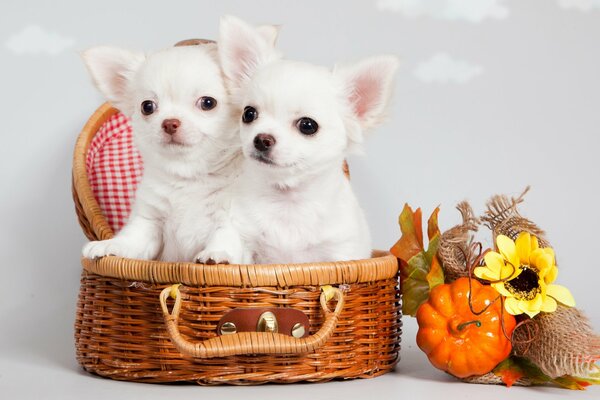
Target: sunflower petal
(495, 262)
(549, 305)
(509, 272)
(535, 254)
(535, 244)
(511, 305)
(498, 269)
(541, 260)
(531, 307)
(544, 263)
(523, 245)
(550, 251)
(508, 250)
(485, 273)
(550, 275)
(562, 294)
(500, 288)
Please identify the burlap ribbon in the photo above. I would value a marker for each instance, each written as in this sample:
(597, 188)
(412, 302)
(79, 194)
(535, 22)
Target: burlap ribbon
(455, 244)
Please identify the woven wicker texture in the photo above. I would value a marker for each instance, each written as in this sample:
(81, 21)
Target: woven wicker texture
(122, 332)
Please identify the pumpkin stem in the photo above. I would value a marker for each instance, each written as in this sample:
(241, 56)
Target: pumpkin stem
(475, 322)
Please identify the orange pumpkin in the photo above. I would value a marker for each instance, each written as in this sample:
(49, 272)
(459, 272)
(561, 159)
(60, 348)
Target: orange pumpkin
(458, 341)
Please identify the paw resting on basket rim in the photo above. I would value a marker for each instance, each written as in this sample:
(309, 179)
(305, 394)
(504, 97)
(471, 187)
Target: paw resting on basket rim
(116, 247)
(212, 257)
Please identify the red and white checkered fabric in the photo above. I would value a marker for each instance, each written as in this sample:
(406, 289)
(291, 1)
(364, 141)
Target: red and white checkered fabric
(114, 169)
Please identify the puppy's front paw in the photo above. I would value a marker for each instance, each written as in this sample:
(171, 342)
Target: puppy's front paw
(114, 247)
(212, 257)
(98, 249)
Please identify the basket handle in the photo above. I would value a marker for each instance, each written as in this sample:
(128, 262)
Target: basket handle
(250, 342)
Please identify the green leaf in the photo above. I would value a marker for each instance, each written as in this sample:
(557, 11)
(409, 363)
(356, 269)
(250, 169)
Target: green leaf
(415, 287)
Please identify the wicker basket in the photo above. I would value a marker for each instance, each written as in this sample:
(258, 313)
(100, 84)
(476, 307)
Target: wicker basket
(128, 328)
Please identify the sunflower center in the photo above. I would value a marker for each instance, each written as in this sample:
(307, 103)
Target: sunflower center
(525, 286)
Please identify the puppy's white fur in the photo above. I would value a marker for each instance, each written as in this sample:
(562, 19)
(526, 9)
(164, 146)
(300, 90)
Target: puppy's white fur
(185, 175)
(299, 207)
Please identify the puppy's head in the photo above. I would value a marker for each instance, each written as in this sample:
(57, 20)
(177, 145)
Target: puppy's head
(297, 118)
(176, 99)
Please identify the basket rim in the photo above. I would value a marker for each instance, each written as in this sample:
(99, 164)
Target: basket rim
(382, 266)
(82, 189)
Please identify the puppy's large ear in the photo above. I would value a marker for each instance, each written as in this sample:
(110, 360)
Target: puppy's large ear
(243, 48)
(369, 85)
(112, 70)
(270, 33)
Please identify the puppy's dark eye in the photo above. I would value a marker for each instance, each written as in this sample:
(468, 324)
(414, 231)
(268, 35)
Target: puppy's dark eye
(307, 126)
(148, 107)
(206, 103)
(249, 115)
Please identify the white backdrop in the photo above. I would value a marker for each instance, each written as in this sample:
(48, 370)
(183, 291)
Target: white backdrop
(492, 96)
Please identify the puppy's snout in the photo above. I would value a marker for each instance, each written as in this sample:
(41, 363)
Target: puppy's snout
(170, 126)
(264, 142)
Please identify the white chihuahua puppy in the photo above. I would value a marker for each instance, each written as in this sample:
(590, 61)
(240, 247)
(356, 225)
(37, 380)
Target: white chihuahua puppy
(299, 122)
(184, 128)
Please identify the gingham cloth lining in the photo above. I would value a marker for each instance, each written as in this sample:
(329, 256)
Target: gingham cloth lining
(114, 168)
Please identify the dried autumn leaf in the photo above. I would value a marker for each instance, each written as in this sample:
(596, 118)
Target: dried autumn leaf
(433, 228)
(569, 382)
(509, 371)
(514, 368)
(420, 269)
(411, 241)
(435, 276)
(579, 383)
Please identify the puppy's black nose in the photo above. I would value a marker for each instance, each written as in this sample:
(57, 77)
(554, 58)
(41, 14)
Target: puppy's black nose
(170, 126)
(263, 142)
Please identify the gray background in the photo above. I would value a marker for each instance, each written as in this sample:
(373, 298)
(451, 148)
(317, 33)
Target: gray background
(492, 96)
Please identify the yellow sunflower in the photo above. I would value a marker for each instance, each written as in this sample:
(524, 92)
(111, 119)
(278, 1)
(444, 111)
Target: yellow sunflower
(523, 273)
